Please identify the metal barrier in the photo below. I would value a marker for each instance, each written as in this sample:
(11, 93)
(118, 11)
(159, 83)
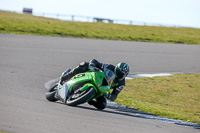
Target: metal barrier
(98, 19)
(81, 18)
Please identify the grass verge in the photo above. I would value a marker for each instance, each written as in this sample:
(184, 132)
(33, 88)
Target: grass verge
(28, 24)
(176, 96)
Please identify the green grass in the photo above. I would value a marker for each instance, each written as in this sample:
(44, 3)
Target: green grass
(28, 24)
(176, 96)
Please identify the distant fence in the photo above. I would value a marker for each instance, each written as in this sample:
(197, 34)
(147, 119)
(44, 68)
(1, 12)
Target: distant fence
(81, 18)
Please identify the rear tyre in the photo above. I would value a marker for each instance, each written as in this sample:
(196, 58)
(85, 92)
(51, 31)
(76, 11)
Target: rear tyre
(50, 95)
(80, 97)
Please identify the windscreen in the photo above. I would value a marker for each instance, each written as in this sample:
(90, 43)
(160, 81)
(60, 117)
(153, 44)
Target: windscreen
(109, 76)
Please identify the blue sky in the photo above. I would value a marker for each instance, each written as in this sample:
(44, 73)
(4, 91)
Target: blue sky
(172, 12)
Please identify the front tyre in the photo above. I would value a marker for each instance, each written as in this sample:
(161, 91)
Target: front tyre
(50, 95)
(80, 97)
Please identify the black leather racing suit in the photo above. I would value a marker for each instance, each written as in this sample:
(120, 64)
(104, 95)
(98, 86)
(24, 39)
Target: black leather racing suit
(117, 85)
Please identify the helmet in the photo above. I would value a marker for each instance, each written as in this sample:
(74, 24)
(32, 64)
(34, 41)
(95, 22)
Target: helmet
(121, 70)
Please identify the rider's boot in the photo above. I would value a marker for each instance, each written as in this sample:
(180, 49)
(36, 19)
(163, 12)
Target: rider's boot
(99, 103)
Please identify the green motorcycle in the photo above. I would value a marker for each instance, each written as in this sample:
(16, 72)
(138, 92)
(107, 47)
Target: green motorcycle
(83, 87)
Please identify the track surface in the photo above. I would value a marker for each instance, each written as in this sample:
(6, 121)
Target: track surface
(27, 62)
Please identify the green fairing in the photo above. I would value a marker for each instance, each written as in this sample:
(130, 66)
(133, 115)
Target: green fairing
(77, 79)
(83, 87)
(91, 79)
(87, 86)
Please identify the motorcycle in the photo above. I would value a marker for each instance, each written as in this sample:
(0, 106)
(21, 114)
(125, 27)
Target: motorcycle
(83, 87)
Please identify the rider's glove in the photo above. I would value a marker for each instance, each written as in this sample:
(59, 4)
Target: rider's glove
(108, 96)
(113, 96)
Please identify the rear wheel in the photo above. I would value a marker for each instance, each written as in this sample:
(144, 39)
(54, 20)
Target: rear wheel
(50, 95)
(80, 97)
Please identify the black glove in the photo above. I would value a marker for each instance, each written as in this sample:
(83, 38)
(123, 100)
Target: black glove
(113, 96)
(108, 96)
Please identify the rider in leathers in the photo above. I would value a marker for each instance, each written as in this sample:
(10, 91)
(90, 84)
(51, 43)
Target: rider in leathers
(121, 70)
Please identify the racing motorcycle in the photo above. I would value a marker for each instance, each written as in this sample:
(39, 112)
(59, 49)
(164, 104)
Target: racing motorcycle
(83, 87)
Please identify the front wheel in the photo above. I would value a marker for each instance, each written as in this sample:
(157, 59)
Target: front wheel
(80, 97)
(50, 95)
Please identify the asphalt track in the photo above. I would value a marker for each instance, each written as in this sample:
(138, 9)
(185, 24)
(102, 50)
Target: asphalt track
(27, 62)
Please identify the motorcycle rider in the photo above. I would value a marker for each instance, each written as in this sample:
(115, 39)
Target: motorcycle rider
(121, 70)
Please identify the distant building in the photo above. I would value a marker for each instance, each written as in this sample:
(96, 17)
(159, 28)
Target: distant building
(27, 10)
(103, 20)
